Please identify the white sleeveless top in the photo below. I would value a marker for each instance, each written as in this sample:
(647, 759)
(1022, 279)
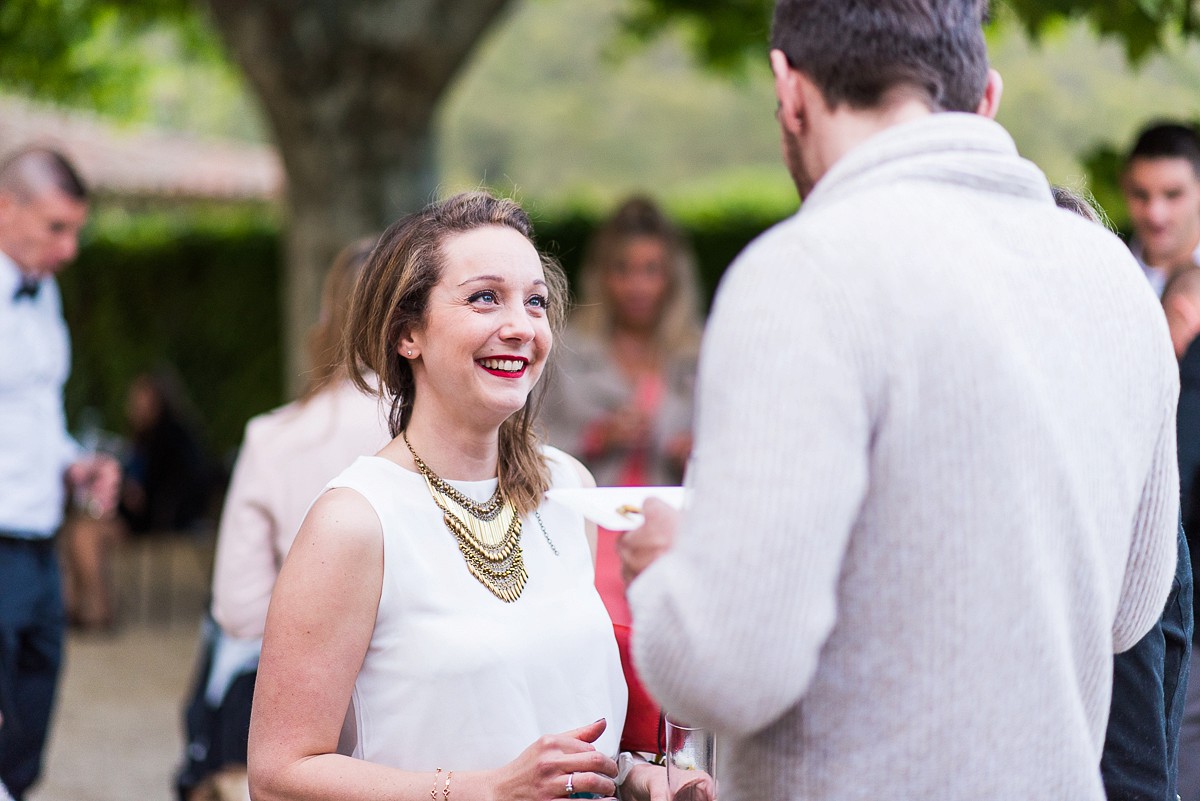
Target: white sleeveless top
(454, 677)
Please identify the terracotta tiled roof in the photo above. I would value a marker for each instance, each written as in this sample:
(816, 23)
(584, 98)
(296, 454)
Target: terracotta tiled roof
(139, 162)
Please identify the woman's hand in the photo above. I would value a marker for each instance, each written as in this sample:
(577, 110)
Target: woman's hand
(542, 771)
(625, 429)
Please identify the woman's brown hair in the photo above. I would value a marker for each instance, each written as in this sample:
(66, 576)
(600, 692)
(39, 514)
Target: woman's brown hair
(326, 338)
(391, 298)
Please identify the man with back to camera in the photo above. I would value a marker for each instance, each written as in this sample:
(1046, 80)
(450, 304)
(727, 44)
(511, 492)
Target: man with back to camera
(43, 205)
(934, 484)
(1161, 184)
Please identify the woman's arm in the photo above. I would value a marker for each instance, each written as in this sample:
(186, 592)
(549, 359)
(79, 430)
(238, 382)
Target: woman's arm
(318, 628)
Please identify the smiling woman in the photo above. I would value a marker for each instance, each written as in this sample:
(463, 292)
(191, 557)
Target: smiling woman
(435, 627)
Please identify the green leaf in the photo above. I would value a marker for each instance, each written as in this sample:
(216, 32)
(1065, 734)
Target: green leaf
(724, 33)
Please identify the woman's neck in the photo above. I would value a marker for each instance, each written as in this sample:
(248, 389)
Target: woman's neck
(454, 452)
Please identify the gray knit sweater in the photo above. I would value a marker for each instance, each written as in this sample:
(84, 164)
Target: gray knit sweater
(935, 488)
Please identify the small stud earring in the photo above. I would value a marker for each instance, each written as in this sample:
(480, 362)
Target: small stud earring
(410, 351)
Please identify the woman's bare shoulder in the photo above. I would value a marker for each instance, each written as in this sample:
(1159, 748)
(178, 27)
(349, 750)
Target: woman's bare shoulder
(570, 465)
(340, 520)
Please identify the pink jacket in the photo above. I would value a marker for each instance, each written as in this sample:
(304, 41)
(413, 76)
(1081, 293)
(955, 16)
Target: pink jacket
(287, 457)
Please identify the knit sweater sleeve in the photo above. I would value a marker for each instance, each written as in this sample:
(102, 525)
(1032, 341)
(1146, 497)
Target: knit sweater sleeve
(728, 625)
(1152, 550)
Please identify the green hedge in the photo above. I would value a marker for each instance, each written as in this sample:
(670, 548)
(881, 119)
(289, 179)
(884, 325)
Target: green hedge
(205, 297)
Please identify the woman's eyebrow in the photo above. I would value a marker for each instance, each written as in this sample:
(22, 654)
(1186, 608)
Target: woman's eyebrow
(496, 279)
(489, 278)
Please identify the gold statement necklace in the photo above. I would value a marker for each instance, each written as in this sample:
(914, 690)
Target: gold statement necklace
(488, 534)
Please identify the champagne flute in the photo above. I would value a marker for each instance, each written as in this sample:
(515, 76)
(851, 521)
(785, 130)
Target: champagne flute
(691, 763)
(90, 436)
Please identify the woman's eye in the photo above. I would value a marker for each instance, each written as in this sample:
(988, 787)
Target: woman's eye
(486, 296)
(539, 301)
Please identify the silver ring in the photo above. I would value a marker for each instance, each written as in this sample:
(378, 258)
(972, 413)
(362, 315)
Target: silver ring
(571, 784)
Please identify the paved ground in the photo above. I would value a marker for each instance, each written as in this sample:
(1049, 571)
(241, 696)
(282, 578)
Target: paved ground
(117, 733)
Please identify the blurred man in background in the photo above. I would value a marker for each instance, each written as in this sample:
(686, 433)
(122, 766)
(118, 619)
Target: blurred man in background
(43, 206)
(1161, 183)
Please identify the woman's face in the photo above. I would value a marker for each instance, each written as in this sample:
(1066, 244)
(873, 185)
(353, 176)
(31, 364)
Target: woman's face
(486, 335)
(637, 282)
(142, 406)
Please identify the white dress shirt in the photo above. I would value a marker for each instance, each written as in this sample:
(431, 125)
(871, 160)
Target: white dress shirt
(35, 449)
(1157, 276)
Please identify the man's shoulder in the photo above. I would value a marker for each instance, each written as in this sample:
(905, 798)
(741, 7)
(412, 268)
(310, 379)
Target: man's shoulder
(809, 245)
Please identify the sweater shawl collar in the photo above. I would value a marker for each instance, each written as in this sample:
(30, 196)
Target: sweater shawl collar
(950, 148)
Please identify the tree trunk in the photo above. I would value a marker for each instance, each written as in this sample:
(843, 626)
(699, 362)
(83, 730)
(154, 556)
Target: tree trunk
(350, 88)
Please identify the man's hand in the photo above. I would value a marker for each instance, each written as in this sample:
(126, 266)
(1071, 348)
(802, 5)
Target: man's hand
(646, 782)
(640, 547)
(95, 481)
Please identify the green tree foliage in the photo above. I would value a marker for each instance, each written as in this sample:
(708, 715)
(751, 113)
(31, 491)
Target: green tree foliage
(725, 32)
(97, 53)
(1142, 26)
(722, 32)
(199, 292)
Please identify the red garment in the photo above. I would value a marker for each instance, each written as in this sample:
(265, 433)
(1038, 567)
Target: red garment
(642, 717)
(648, 395)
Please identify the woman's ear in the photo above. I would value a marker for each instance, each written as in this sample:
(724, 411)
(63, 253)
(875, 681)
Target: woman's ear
(407, 347)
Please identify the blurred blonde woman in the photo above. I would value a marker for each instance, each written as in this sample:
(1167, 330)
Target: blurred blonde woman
(621, 398)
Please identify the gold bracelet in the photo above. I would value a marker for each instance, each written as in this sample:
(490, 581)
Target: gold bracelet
(433, 792)
(446, 789)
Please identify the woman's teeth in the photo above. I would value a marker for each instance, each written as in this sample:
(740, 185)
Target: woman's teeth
(506, 365)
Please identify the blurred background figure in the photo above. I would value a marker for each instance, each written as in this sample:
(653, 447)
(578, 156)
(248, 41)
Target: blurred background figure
(1141, 744)
(169, 477)
(169, 482)
(1161, 184)
(287, 457)
(1181, 303)
(621, 396)
(43, 206)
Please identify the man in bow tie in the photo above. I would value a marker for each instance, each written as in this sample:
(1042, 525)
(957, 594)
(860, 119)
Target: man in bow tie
(43, 205)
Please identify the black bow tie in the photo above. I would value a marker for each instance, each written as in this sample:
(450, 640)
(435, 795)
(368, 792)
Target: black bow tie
(29, 288)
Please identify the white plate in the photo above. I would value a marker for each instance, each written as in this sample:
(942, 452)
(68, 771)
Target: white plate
(615, 508)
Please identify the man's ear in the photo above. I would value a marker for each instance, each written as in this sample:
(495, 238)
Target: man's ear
(990, 103)
(788, 93)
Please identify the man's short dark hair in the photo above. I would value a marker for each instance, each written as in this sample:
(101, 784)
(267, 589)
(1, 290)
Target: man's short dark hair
(1168, 140)
(857, 51)
(31, 168)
